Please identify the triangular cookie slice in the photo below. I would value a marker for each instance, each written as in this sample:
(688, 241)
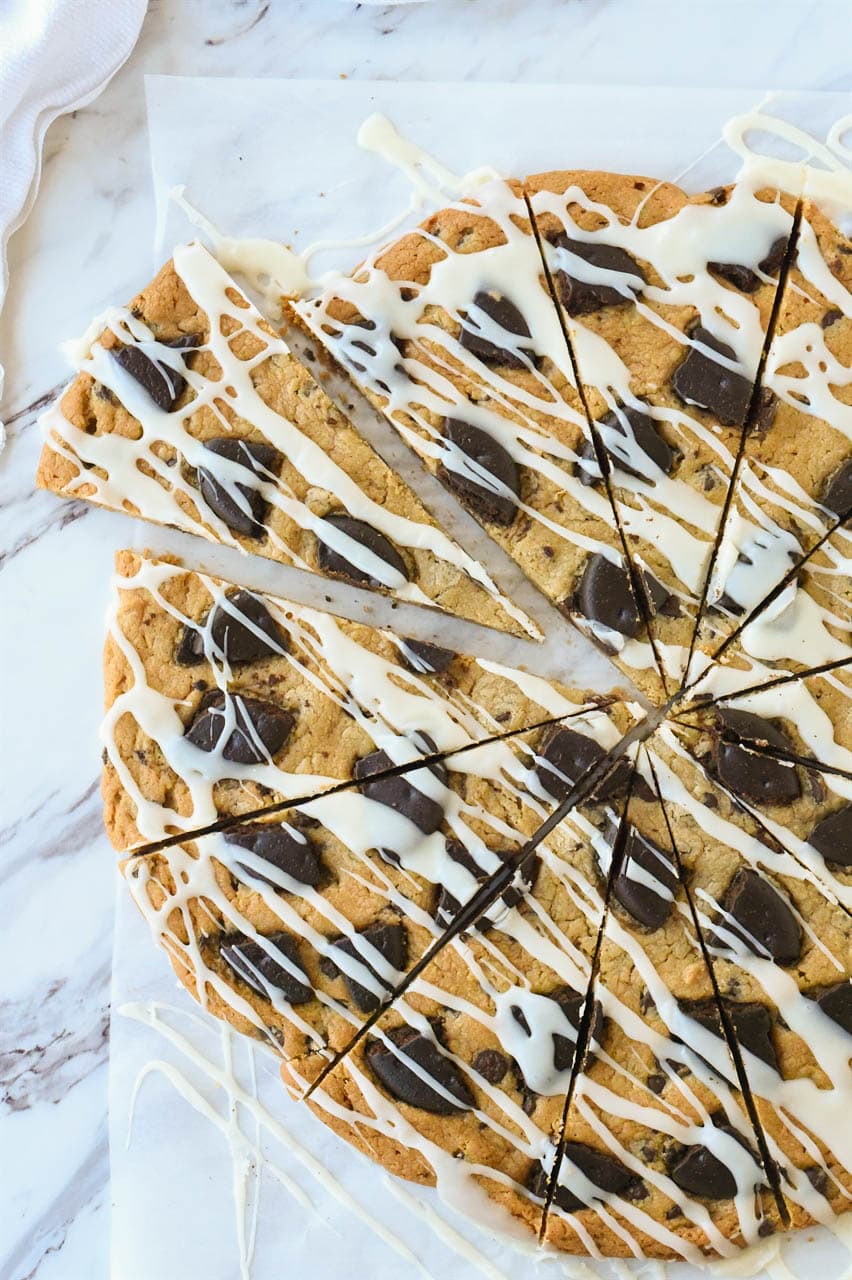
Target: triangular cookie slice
(667, 301)
(452, 333)
(189, 410)
(795, 480)
(221, 702)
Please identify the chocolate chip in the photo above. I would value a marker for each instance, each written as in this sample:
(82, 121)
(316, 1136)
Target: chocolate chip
(398, 792)
(656, 1082)
(537, 1179)
(164, 384)
(836, 1003)
(602, 1170)
(830, 317)
(832, 837)
(491, 1064)
(605, 596)
(489, 456)
(366, 536)
(245, 516)
(448, 906)
(700, 380)
(425, 658)
(757, 914)
(837, 492)
(234, 630)
(648, 904)
(282, 847)
(503, 312)
(259, 731)
(263, 972)
(765, 411)
(641, 430)
(564, 756)
(581, 297)
(391, 941)
(750, 1022)
(572, 1004)
(658, 599)
(742, 278)
(387, 1061)
(774, 259)
(748, 774)
(699, 1172)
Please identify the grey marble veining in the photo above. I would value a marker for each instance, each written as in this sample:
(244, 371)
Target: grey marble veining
(86, 244)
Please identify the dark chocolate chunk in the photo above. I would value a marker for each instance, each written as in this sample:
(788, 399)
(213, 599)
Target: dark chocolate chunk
(388, 1062)
(246, 516)
(264, 972)
(830, 317)
(491, 1064)
(837, 493)
(602, 1170)
(490, 456)
(658, 599)
(750, 1022)
(366, 536)
(742, 278)
(448, 906)
(504, 313)
(282, 847)
(259, 730)
(832, 837)
(648, 905)
(755, 911)
(836, 1003)
(771, 264)
(748, 773)
(745, 726)
(699, 1172)
(700, 380)
(605, 596)
(234, 631)
(642, 430)
(572, 1004)
(565, 755)
(425, 658)
(398, 792)
(581, 297)
(391, 941)
(164, 384)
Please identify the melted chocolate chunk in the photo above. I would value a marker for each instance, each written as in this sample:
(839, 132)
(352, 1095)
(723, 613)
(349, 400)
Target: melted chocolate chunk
(699, 1172)
(744, 771)
(836, 1003)
(755, 911)
(642, 430)
(700, 380)
(565, 755)
(581, 297)
(605, 596)
(772, 263)
(234, 631)
(424, 658)
(491, 1064)
(287, 850)
(832, 837)
(751, 1024)
(366, 536)
(264, 973)
(259, 731)
(492, 458)
(742, 278)
(658, 599)
(387, 1061)
(164, 385)
(448, 906)
(837, 493)
(391, 941)
(602, 1170)
(398, 792)
(648, 905)
(504, 313)
(256, 459)
(830, 317)
(572, 1004)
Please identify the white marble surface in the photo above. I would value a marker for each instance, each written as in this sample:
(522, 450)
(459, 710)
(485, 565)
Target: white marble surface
(87, 243)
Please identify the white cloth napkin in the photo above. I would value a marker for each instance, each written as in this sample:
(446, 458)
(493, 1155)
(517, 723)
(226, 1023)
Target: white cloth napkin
(55, 56)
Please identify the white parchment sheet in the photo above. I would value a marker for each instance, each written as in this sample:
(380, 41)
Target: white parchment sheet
(219, 1176)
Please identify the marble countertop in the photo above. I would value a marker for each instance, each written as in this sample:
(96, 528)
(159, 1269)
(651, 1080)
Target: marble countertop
(88, 243)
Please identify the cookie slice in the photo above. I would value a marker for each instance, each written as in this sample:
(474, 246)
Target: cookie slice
(795, 481)
(781, 950)
(299, 927)
(667, 301)
(221, 702)
(658, 1156)
(189, 410)
(451, 332)
(462, 1082)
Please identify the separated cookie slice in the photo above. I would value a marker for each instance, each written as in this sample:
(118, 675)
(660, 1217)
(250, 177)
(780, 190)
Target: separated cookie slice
(452, 333)
(795, 482)
(658, 1156)
(461, 1083)
(221, 702)
(667, 301)
(781, 950)
(189, 410)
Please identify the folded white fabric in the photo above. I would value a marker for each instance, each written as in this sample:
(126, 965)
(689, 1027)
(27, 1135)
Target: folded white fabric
(55, 56)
